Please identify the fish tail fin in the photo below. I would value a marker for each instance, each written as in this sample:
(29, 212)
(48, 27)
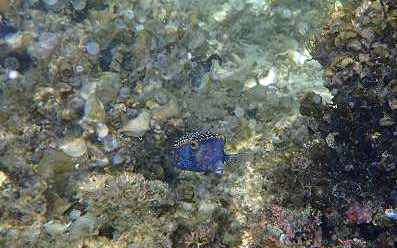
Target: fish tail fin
(233, 159)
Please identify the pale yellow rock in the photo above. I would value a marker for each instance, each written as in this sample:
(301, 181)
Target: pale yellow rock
(3, 178)
(94, 110)
(42, 93)
(54, 162)
(139, 125)
(74, 147)
(167, 111)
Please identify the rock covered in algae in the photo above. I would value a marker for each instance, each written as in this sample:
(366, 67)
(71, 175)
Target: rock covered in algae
(55, 162)
(74, 147)
(94, 110)
(360, 117)
(55, 228)
(138, 208)
(139, 125)
(346, 160)
(83, 226)
(105, 87)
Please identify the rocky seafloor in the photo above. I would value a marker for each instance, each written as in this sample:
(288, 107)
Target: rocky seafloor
(93, 94)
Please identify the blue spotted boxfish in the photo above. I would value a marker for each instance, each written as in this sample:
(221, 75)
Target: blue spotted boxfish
(201, 151)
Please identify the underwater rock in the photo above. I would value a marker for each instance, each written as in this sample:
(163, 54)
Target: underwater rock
(74, 214)
(168, 110)
(59, 204)
(386, 121)
(3, 178)
(105, 87)
(102, 130)
(74, 109)
(138, 126)
(118, 157)
(55, 227)
(207, 207)
(84, 226)
(133, 201)
(257, 93)
(310, 105)
(74, 147)
(359, 213)
(43, 93)
(250, 83)
(98, 158)
(6, 29)
(110, 143)
(92, 48)
(161, 97)
(239, 112)
(55, 162)
(124, 92)
(94, 110)
(351, 137)
(393, 104)
(78, 4)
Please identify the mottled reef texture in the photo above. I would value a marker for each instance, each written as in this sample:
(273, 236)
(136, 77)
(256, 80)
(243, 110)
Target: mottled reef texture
(93, 94)
(346, 166)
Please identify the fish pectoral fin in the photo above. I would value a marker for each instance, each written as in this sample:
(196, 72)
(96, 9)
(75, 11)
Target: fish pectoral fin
(217, 167)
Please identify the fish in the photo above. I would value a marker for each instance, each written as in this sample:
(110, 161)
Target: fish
(201, 151)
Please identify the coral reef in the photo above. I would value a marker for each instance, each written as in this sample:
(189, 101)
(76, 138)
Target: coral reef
(128, 208)
(344, 163)
(94, 93)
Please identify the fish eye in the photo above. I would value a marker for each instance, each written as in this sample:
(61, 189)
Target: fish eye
(194, 144)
